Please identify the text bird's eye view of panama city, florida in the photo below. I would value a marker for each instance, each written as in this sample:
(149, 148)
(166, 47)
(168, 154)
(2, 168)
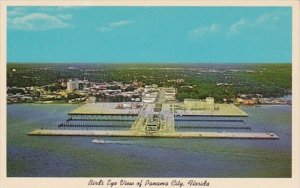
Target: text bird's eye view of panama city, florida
(149, 91)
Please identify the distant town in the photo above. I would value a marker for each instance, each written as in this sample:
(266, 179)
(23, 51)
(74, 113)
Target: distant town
(82, 90)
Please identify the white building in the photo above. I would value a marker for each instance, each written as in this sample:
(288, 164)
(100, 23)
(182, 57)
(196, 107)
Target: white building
(170, 94)
(150, 88)
(72, 84)
(195, 104)
(149, 100)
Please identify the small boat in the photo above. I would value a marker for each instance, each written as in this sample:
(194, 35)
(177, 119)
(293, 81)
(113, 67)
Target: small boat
(98, 141)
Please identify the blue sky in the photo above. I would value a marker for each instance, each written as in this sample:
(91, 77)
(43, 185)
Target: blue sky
(149, 34)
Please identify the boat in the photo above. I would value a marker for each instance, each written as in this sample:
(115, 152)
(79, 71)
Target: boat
(98, 141)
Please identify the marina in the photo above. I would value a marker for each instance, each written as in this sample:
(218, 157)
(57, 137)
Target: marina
(162, 119)
(165, 95)
(146, 156)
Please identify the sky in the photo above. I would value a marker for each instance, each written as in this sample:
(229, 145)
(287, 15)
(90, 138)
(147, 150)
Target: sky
(149, 34)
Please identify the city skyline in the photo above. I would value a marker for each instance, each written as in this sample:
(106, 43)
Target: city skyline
(149, 34)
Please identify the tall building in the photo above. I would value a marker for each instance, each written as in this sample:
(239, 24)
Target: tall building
(72, 84)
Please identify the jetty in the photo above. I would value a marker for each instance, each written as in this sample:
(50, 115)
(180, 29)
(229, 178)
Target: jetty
(161, 118)
(57, 132)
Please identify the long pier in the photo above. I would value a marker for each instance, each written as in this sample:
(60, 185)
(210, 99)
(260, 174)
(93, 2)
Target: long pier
(152, 120)
(102, 133)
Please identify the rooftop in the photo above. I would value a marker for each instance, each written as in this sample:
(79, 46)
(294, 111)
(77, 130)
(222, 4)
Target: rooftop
(107, 108)
(222, 110)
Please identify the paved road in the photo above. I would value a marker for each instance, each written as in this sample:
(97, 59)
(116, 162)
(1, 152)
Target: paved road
(168, 118)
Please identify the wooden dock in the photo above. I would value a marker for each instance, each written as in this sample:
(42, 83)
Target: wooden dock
(59, 132)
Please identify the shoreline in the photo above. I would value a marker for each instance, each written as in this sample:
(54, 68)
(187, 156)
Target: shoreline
(66, 103)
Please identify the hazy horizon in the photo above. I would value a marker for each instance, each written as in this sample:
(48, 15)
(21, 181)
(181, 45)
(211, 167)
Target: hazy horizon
(182, 63)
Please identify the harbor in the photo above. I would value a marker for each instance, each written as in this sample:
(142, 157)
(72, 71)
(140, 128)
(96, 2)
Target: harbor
(171, 156)
(160, 118)
(182, 95)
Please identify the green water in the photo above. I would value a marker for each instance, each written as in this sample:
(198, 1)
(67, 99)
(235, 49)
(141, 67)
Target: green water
(30, 156)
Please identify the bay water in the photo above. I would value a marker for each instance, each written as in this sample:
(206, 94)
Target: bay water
(73, 156)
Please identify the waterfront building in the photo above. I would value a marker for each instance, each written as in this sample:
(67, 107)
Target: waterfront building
(153, 122)
(92, 99)
(73, 84)
(195, 104)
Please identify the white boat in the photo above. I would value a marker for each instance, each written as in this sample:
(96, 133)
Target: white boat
(98, 141)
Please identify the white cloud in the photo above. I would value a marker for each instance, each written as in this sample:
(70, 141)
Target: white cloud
(38, 22)
(120, 23)
(17, 11)
(268, 20)
(270, 17)
(104, 29)
(59, 8)
(200, 32)
(236, 27)
(37, 18)
(65, 16)
(114, 25)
